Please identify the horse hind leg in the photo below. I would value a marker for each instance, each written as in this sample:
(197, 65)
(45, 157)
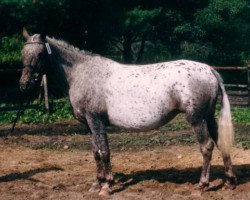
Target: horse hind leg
(230, 177)
(206, 148)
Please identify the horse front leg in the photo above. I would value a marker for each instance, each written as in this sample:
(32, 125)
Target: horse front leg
(101, 154)
(96, 186)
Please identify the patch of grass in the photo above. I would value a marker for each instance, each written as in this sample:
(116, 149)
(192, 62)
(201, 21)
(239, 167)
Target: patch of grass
(61, 110)
(241, 115)
(178, 125)
(241, 118)
(242, 142)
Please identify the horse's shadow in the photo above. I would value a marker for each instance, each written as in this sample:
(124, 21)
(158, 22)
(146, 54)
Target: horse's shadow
(179, 176)
(27, 174)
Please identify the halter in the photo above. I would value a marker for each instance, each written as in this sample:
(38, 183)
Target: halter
(46, 44)
(34, 43)
(32, 67)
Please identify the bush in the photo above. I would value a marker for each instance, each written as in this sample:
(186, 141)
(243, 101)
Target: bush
(10, 51)
(195, 51)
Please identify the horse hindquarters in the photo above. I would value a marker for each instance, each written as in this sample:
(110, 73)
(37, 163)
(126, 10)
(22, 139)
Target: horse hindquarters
(208, 132)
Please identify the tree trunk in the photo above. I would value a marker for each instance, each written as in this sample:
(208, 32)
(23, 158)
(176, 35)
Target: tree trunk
(127, 47)
(142, 47)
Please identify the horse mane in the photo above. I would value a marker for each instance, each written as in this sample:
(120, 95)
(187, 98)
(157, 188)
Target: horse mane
(69, 47)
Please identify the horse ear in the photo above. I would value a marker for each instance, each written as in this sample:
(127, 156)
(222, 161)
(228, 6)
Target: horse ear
(25, 34)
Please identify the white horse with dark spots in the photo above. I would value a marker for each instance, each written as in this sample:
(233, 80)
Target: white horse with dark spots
(139, 97)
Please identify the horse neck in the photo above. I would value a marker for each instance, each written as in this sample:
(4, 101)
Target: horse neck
(63, 60)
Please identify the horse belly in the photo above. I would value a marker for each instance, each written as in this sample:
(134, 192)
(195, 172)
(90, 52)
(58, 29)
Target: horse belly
(134, 122)
(129, 115)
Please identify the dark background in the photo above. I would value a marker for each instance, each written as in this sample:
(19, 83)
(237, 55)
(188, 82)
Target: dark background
(142, 31)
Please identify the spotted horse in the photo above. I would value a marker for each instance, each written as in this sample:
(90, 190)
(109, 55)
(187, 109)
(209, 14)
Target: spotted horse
(137, 97)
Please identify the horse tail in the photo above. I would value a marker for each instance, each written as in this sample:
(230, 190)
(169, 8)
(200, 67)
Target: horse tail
(225, 125)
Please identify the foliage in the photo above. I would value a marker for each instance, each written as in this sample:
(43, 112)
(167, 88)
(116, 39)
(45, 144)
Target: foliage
(10, 50)
(195, 51)
(61, 110)
(219, 21)
(212, 31)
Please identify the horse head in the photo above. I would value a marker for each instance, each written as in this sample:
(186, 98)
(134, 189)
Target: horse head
(34, 59)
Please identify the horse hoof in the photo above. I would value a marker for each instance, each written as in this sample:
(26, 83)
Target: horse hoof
(230, 183)
(198, 192)
(95, 188)
(229, 186)
(200, 189)
(105, 192)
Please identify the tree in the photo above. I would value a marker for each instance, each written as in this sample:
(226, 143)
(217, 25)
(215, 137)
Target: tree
(212, 31)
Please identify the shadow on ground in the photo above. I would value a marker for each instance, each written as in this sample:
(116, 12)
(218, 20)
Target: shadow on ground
(179, 176)
(27, 174)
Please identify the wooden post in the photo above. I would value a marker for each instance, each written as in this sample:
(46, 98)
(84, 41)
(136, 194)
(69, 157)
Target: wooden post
(40, 92)
(248, 84)
(46, 93)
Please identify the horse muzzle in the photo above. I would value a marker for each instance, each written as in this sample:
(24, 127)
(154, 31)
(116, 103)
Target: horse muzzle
(26, 85)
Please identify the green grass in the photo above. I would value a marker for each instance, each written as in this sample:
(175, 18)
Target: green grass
(61, 110)
(241, 116)
(179, 124)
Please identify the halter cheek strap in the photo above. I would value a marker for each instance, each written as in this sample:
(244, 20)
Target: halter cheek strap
(48, 48)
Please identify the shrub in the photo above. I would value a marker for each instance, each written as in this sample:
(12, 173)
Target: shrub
(10, 48)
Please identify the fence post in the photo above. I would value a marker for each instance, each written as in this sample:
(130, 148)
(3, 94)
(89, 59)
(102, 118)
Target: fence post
(46, 93)
(248, 83)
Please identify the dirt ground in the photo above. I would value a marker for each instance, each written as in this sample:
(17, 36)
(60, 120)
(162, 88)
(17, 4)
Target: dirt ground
(55, 162)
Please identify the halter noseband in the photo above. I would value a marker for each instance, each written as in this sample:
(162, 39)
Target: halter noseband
(34, 43)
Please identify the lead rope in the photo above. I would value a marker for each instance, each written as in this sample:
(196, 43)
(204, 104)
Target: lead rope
(20, 111)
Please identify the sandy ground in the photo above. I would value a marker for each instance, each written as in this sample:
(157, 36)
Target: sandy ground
(29, 170)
